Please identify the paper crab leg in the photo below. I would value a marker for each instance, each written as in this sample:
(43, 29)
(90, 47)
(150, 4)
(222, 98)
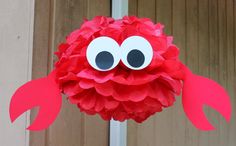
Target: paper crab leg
(199, 91)
(43, 93)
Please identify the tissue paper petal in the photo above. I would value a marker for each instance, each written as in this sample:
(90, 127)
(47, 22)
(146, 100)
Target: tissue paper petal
(120, 93)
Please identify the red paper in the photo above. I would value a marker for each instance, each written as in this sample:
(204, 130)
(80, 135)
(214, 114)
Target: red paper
(42, 93)
(199, 91)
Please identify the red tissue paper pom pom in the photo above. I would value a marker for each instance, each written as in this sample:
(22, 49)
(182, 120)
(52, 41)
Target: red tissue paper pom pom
(120, 93)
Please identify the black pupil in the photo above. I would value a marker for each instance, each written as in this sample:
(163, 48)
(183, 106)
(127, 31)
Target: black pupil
(135, 58)
(104, 60)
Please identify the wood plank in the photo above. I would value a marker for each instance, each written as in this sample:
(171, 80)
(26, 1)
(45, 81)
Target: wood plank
(16, 41)
(205, 31)
(203, 38)
(145, 133)
(223, 127)
(132, 131)
(214, 65)
(163, 126)
(66, 130)
(204, 52)
(96, 129)
(100, 136)
(137, 134)
(147, 9)
(179, 34)
(40, 57)
(192, 60)
(41, 38)
(133, 7)
(234, 21)
(164, 14)
(71, 127)
(98, 8)
(179, 27)
(231, 64)
(157, 130)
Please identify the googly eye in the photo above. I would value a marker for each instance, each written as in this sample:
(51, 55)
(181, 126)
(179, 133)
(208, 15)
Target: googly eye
(103, 53)
(137, 52)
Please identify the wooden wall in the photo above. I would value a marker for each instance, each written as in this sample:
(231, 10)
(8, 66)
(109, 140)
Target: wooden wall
(205, 32)
(54, 20)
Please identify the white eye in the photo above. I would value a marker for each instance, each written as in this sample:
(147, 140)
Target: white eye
(103, 53)
(137, 52)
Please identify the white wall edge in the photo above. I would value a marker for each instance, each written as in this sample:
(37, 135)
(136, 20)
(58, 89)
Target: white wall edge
(30, 61)
(118, 133)
(118, 130)
(119, 8)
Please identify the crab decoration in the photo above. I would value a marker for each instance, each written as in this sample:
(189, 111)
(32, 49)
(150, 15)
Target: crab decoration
(120, 69)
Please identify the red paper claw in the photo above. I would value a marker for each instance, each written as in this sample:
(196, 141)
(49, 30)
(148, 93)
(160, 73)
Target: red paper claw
(43, 93)
(199, 91)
